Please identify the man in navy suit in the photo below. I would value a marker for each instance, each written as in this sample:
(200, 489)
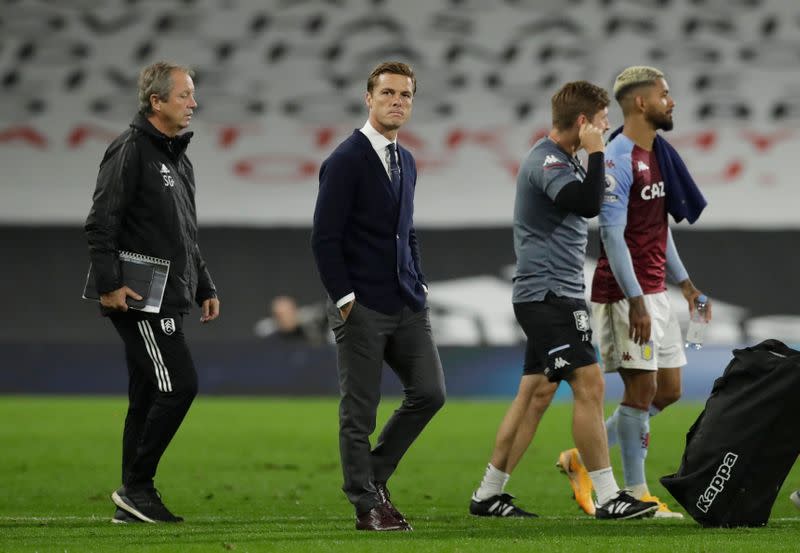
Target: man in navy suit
(368, 258)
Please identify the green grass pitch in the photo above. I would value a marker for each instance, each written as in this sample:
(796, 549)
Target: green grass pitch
(262, 474)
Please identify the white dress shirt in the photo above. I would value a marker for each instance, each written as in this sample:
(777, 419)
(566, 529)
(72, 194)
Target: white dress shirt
(379, 143)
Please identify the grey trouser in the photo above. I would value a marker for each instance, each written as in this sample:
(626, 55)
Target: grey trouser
(363, 342)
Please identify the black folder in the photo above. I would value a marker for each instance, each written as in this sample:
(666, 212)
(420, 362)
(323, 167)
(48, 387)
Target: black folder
(145, 275)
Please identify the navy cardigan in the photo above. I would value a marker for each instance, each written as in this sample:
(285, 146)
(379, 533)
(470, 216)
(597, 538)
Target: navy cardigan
(363, 238)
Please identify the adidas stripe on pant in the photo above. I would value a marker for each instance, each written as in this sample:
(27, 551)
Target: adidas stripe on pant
(162, 382)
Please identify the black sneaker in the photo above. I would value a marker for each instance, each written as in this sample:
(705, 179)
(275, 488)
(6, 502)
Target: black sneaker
(143, 503)
(497, 506)
(624, 506)
(124, 517)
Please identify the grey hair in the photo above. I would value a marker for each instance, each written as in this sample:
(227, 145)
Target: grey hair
(156, 79)
(635, 76)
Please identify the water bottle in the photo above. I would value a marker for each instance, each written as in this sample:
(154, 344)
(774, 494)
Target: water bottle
(698, 323)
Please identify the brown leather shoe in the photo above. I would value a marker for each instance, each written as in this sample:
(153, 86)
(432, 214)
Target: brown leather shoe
(383, 493)
(379, 519)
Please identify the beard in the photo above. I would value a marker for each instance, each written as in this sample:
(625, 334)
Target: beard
(660, 121)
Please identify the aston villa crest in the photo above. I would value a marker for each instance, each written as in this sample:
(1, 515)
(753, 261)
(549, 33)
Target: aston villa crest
(581, 320)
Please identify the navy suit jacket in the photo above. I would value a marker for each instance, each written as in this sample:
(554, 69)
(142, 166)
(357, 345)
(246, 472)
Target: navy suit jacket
(363, 237)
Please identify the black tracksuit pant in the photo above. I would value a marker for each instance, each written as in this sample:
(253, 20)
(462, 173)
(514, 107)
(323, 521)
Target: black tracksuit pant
(162, 382)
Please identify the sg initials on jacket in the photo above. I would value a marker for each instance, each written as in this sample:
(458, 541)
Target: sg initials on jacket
(167, 176)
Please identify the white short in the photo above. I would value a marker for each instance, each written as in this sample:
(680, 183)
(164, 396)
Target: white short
(617, 350)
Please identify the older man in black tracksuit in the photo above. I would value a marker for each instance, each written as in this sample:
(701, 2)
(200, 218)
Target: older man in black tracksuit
(144, 203)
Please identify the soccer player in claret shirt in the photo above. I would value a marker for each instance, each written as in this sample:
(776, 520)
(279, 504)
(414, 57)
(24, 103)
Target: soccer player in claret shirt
(637, 328)
(555, 198)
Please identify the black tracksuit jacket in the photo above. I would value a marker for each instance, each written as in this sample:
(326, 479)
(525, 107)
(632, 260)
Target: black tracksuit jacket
(144, 203)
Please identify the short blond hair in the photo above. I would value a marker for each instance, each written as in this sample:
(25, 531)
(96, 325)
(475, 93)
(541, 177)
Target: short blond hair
(634, 76)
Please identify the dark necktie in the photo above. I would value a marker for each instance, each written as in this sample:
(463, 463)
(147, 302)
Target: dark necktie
(394, 170)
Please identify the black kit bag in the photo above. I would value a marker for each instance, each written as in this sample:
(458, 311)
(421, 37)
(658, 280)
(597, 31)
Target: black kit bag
(742, 446)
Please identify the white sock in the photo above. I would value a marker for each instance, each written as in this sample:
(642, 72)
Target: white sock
(605, 486)
(493, 483)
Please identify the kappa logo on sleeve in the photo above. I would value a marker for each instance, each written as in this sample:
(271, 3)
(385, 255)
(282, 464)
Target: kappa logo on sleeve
(551, 162)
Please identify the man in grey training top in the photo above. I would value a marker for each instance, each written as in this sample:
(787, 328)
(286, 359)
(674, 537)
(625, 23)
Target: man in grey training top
(554, 197)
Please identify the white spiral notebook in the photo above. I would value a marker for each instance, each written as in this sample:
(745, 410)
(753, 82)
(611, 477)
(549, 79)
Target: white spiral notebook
(145, 275)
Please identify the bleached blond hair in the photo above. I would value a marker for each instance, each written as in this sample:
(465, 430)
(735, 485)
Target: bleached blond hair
(635, 76)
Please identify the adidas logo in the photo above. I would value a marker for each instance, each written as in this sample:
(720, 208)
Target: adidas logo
(642, 166)
(500, 508)
(169, 182)
(619, 507)
(560, 363)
